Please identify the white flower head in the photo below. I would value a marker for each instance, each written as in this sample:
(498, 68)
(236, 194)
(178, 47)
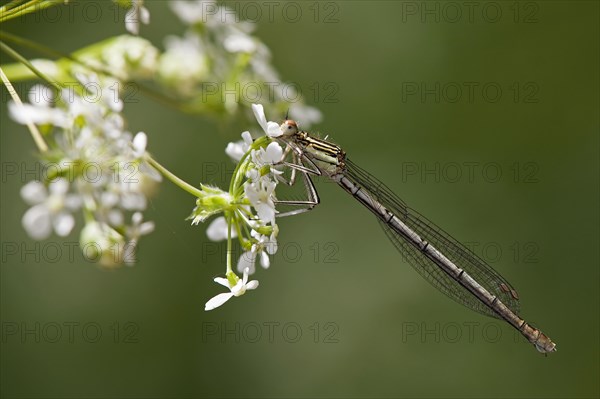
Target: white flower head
(238, 289)
(51, 209)
(184, 64)
(130, 56)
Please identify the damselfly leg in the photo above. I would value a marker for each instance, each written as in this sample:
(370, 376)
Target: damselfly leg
(311, 192)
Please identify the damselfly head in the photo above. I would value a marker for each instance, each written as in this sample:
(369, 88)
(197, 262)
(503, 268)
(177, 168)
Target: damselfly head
(289, 127)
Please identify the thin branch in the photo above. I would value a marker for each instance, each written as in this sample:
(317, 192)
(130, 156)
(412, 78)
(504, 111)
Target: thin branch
(35, 133)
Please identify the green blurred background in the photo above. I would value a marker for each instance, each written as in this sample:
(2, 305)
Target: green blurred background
(370, 326)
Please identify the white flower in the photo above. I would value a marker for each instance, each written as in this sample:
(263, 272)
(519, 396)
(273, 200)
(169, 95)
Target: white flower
(268, 156)
(237, 150)
(261, 157)
(51, 209)
(137, 13)
(259, 193)
(138, 228)
(217, 230)
(271, 129)
(264, 247)
(129, 56)
(238, 289)
(266, 243)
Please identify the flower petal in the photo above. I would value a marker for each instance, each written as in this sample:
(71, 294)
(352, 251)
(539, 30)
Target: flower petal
(271, 245)
(144, 15)
(146, 228)
(246, 261)
(217, 229)
(266, 212)
(273, 153)
(132, 23)
(140, 141)
(41, 95)
(252, 285)
(217, 301)
(236, 150)
(63, 223)
(59, 187)
(223, 281)
(247, 138)
(34, 192)
(259, 114)
(273, 130)
(264, 260)
(37, 222)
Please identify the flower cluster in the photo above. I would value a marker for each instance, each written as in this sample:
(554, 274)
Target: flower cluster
(248, 206)
(93, 165)
(219, 66)
(96, 168)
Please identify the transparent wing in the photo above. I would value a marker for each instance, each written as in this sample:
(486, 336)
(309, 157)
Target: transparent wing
(460, 255)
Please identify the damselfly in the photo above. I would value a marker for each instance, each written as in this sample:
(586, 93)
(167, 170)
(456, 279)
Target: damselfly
(446, 263)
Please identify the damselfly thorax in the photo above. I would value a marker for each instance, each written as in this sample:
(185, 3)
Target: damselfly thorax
(329, 158)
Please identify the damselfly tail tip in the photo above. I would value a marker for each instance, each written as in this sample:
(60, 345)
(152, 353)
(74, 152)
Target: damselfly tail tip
(544, 344)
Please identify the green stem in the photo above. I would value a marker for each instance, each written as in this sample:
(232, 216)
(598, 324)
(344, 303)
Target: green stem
(18, 57)
(174, 179)
(34, 46)
(35, 133)
(229, 217)
(29, 7)
(237, 176)
(10, 5)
